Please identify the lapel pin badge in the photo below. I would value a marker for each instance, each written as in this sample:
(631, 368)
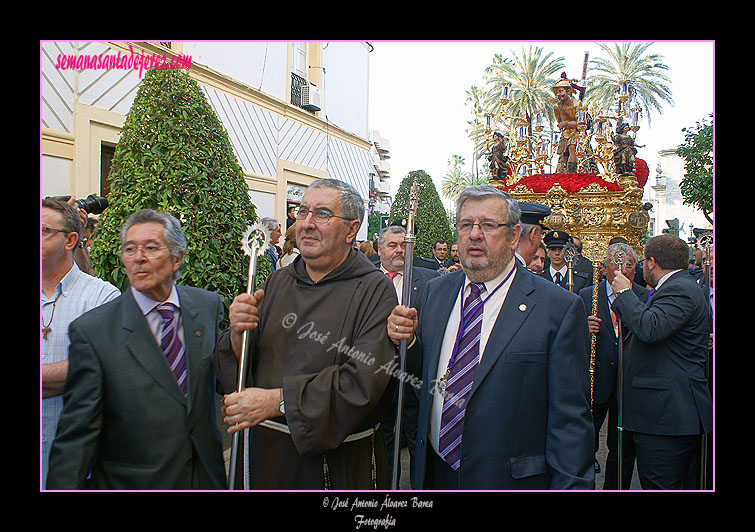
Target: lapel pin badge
(522, 307)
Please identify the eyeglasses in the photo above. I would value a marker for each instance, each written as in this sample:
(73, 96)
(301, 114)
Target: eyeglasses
(50, 230)
(150, 251)
(465, 226)
(320, 216)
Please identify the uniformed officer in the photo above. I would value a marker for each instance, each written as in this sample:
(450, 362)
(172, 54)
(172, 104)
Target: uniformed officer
(533, 224)
(557, 272)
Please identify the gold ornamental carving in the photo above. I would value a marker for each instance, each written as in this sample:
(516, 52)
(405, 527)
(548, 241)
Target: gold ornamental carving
(594, 213)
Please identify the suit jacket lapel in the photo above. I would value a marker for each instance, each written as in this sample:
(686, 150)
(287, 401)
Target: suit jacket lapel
(141, 344)
(196, 337)
(190, 322)
(515, 309)
(439, 309)
(604, 309)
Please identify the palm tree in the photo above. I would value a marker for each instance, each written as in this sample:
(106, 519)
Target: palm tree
(628, 62)
(531, 76)
(476, 129)
(457, 179)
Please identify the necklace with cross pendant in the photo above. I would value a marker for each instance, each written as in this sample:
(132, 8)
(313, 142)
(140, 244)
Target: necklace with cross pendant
(46, 328)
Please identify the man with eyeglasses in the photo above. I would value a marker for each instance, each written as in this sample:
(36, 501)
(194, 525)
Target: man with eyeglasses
(392, 253)
(316, 388)
(140, 398)
(67, 293)
(505, 396)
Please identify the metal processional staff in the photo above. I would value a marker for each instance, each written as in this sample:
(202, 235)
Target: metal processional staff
(254, 243)
(570, 254)
(705, 241)
(619, 259)
(406, 296)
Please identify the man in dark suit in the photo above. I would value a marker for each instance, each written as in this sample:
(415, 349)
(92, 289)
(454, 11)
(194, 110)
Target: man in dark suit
(438, 261)
(391, 249)
(533, 216)
(557, 272)
(139, 401)
(504, 402)
(667, 402)
(582, 264)
(605, 400)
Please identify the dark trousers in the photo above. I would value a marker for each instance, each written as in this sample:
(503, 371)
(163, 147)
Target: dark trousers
(439, 475)
(663, 462)
(611, 408)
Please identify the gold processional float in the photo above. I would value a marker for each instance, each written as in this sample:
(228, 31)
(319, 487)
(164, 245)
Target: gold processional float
(598, 196)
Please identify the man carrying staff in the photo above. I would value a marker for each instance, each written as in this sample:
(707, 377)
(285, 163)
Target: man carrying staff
(605, 325)
(318, 343)
(667, 402)
(504, 402)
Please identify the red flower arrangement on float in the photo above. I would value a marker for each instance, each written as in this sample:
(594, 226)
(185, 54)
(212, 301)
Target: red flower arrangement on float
(641, 172)
(540, 183)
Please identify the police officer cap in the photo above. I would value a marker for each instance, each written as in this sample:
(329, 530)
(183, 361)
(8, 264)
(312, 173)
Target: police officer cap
(700, 232)
(556, 239)
(534, 213)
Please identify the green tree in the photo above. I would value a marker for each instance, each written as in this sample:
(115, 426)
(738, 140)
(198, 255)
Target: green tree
(457, 179)
(645, 72)
(531, 76)
(174, 155)
(430, 221)
(477, 126)
(697, 152)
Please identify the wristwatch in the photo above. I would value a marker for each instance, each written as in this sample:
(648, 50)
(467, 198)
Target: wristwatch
(282, 406)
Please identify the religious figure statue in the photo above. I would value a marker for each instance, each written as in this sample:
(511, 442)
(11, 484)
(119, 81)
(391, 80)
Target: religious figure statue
(565, 112)
(498, 159)
(624, 149)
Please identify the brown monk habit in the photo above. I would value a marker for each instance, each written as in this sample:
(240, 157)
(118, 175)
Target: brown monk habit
(324, 343)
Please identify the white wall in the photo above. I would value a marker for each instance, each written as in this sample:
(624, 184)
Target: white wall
(261, 65)
(346, 83)
(55, 179)
(264, 203)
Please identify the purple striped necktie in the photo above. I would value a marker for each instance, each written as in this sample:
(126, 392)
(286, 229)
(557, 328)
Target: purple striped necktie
(171, 344)
(461, 377)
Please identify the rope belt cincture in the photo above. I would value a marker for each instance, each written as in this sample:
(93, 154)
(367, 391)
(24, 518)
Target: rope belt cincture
(282, 427)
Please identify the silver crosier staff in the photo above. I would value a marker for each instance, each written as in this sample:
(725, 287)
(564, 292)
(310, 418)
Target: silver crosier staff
(254, 243)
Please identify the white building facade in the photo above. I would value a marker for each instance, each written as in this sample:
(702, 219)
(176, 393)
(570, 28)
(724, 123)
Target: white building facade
(294, 112)
(664, 192)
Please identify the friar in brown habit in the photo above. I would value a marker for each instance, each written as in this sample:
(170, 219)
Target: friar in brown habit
(319, 376)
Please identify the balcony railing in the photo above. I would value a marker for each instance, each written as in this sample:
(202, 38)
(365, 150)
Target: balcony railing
(297, 82)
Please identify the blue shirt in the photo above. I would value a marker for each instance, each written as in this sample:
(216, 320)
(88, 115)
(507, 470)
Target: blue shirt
(75, 294)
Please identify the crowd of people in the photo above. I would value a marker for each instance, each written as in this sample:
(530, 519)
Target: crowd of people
(498, 389)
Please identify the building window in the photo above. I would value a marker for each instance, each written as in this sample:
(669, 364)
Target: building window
(299, 59)
(106, 159)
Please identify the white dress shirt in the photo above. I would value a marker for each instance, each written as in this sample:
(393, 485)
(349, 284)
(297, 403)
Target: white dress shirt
(562, 271)
(398, 282)
(491, 308)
